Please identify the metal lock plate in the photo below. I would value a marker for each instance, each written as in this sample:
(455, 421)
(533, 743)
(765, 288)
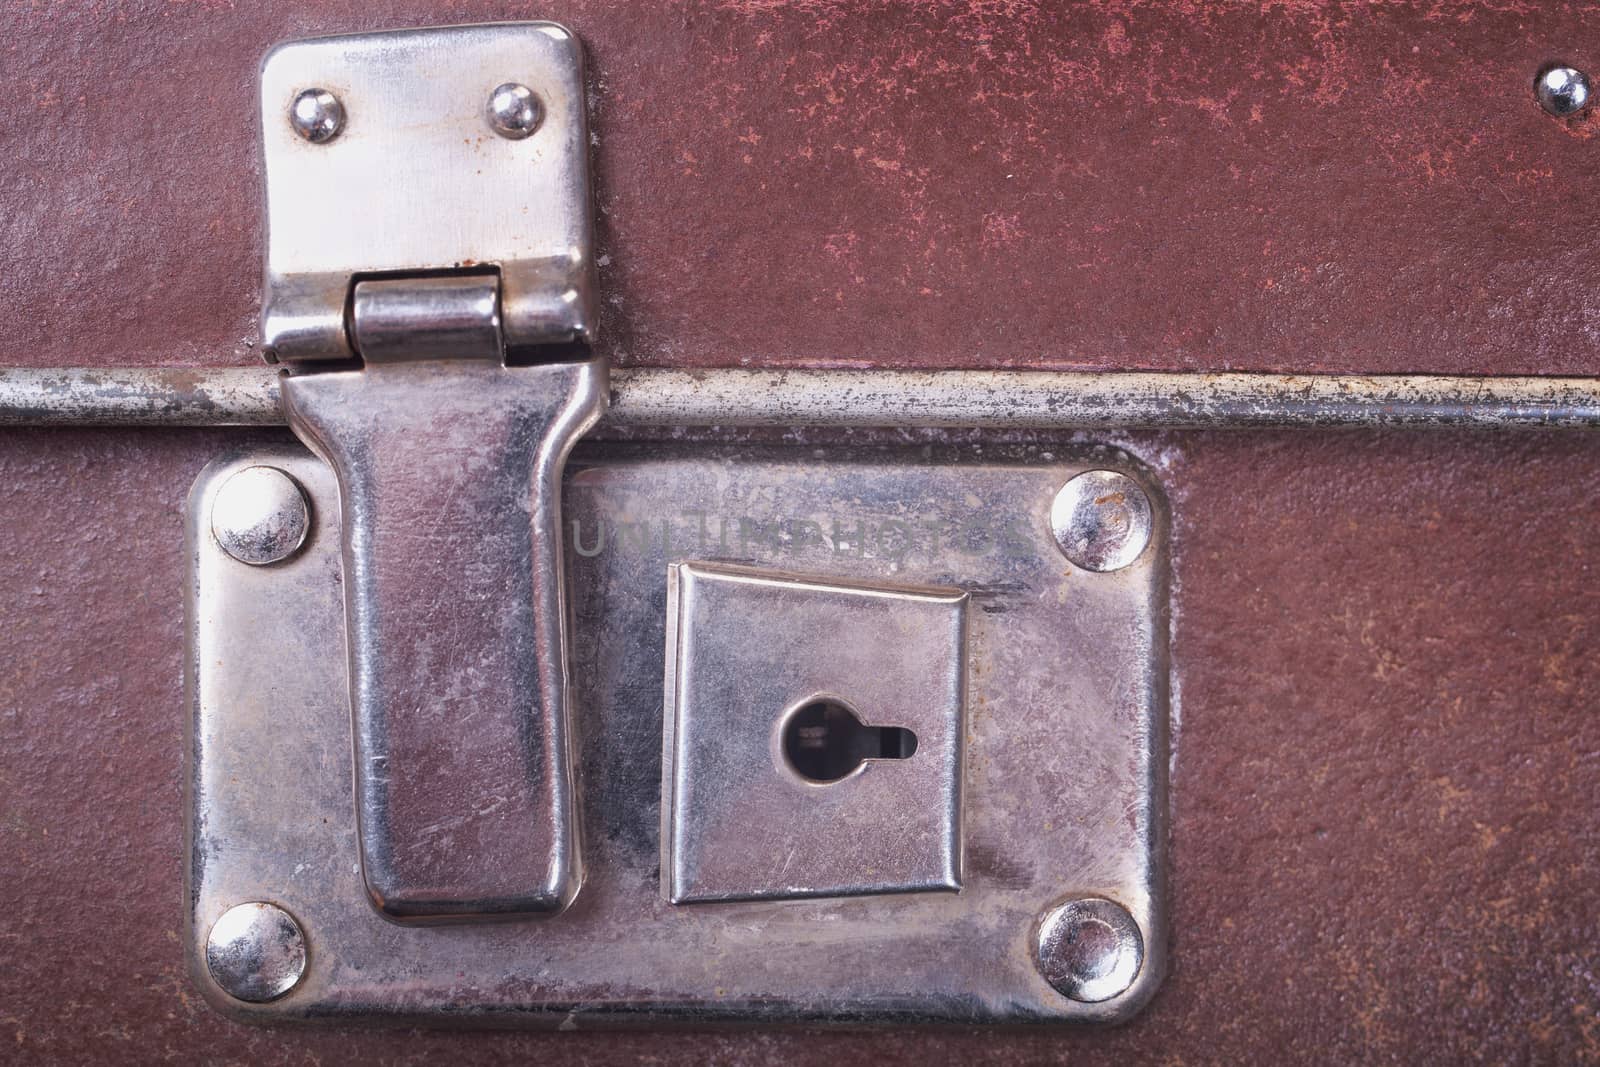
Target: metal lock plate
(1063, 762)
(895, 730)
(812, 801)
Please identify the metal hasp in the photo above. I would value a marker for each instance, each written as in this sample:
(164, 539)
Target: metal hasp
(414, 236)
(924, 591)
(413, 177)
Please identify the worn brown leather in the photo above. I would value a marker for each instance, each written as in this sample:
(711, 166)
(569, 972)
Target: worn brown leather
(1385, 840)
(1312, 185)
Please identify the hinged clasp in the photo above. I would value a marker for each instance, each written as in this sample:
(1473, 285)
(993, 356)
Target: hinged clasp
(428, 211)
(422, 151)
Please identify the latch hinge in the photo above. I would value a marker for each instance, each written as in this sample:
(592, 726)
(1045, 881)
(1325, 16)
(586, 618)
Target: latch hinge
(449, 317)
(419, 152)
(429, 213)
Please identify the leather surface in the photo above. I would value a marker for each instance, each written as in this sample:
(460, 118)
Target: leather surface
(1384, 832)
(1383, 845)
(1308, 185)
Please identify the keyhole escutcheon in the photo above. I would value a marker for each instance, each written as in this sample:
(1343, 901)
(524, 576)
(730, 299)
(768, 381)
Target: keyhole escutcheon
(824, 740)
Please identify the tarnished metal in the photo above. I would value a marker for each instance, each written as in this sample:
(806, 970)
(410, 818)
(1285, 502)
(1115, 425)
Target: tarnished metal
(1101, 520)
(448, 459)
(1063, 784)
(256, 952)
(413, 182)
(879, 398)
(514, 111)
(317, 115)
(449, 476)
(1091, 950)
(1044, 400)
(453, 316)
(748, 650)
(140, 396)
(260, 516)
(1562, 91)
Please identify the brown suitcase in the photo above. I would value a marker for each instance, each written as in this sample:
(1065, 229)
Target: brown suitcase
(1382, 834)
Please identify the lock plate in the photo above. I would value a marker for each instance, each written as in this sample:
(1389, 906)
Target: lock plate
(811, 802)
(1062, 783)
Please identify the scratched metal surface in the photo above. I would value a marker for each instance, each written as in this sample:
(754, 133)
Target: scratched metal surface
(1049, 650)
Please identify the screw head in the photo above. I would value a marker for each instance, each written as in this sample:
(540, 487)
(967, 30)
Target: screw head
(1101, 520)
(256, 952)
(260, 516)
(316, 115)
(514, 111)
(1089, 949)
(1562, 91)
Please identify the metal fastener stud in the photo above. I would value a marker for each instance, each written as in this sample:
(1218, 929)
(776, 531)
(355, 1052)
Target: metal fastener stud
(316, 115)
(256, 952)
(1101, 520)
(260, 516)
(1562, 91)
(1090, 949)
(514, 111)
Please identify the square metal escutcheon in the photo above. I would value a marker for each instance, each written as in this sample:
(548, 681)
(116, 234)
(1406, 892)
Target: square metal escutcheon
(813, 736)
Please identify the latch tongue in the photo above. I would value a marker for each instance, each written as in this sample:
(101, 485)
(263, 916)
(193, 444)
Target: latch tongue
(440, 239)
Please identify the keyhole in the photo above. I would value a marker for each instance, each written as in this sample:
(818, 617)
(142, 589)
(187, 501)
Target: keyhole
(825, 741)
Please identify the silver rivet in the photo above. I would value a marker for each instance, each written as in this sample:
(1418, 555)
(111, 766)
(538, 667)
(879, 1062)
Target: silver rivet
(1090, 949)
(1562, 91)
(256, 952)
(514, 111)
(1101, 520)
(316, 115)
(260, 516)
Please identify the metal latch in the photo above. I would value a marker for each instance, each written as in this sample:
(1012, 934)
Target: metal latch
(429, 214)
(871, 727)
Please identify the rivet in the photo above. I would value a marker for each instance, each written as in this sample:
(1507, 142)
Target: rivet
(260, 516)
(1562, 91)
(514, 111)
(1089, 949)
(256, 952)
(1101, 520)
(316, 115)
